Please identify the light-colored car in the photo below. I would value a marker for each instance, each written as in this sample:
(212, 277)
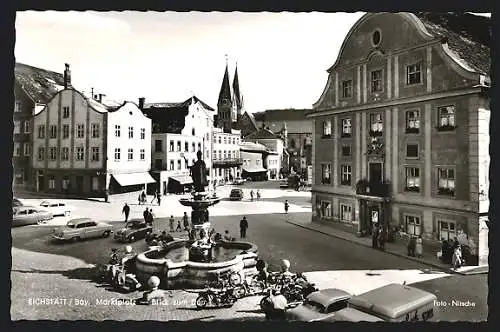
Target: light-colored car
(319, 306)
(29, 215)
(239, 181)
(82, 228)
(57, 208)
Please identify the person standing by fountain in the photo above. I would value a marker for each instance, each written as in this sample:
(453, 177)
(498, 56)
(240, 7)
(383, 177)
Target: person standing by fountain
(243, 227)
(171, 223)
(126, 211)
(185, 220)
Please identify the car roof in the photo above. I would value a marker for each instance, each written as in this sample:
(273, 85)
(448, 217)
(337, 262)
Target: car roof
(328, 296)
(26, 207)
(353, 315)
(79, 220)
(392, 300)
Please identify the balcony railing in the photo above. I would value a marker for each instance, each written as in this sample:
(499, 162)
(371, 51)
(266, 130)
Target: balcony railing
(227, 162)
(373, 188)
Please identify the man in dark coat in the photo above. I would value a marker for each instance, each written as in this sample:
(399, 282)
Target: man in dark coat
(126, 211)
(145, 214)
(375, 236)
(243, 227)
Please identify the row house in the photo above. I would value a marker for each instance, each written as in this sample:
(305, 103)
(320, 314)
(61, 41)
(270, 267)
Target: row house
(274, 144)
(33, 89)
(82, 147)
(180, 130)
(255, 159)
(226, 155)
(401, 128)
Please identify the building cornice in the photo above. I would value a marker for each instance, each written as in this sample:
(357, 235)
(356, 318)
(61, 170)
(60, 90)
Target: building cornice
(395, 102)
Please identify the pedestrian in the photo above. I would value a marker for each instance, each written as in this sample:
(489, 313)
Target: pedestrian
(381, 239)
(251, 195)
(154, 197)
(419, 247)
(171, 222)
(286, 206)
(258, 194)
(455, 243)
(457, 258)
(150, 217)
(126, 211)
(143, 196)
(411, 246)
(159, 199)
(243, 227)
(375, 236)
(227, 236)
(179, 228)
(145, 215)
(185, 220)
(139, 199)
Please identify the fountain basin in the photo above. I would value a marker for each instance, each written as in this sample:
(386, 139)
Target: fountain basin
(188, 274)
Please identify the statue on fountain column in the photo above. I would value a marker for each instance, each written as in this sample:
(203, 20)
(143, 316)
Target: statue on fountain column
(198, 173)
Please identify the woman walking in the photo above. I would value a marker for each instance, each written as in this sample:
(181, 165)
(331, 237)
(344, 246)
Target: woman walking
(419, 250)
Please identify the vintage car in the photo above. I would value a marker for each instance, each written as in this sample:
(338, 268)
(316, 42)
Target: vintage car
(239, 181)
(82, 228)
(57, 208)
(29, 215)
(16, 202)
(133, 230)
(236, 195)
(319, 306)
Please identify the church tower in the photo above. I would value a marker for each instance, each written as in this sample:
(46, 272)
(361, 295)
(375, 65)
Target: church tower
(237, 96)
(225, 104)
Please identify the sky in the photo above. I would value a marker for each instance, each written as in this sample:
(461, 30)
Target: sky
(282, 58)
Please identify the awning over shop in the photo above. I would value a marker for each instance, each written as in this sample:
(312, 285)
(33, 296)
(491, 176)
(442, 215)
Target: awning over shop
(254, 170)
(129, 179)
(182, 179)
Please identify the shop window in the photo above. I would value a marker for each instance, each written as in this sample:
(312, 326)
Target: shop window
(326, 210)
(52, 182)
(447, 229)
(95, 183)
(345, 212)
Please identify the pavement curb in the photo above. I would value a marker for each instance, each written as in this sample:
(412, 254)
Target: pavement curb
(386, 251)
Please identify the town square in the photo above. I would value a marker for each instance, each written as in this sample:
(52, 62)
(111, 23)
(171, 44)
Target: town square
(213, 198)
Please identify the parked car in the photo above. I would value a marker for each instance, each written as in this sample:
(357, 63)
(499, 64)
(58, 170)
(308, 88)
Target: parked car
(16, 202)
(29, 215)
(239, 181)
(82, 228)
(133, 230)
(236, 195)
(57, 208)
(319, 306)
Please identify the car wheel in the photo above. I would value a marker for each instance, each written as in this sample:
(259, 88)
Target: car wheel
(240, 291)
(131, 238)
(75, 238)
(40, 222)
(105, 234)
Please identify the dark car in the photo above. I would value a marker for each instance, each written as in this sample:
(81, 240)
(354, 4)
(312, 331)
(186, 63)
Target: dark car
(236, 195)
(133, 230)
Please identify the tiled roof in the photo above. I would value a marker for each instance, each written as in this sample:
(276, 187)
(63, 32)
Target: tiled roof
(251, 146)
(40, 84)
(183, 104)
(467, 35)
(262, 134)
(282, 114)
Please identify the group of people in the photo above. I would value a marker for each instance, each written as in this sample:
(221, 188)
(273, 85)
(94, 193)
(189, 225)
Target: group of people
(415, 246)
(451, 252)
(179, 228)
(378, 237)
(148, 216)
(252, 194)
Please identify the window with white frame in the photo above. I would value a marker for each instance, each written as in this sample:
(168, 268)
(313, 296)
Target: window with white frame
(446, 118)
(225, 154)
(225, 140)
(53, 131)
(345, 175)
(118, 131)
(17, 106)
(17, 127)
(130, 132)
(179, 164)
(79, 153)
(53, 153)
(326, 170)
(446, 181)
(142, 154)
(52, 182)
(117, 154)
(413, 225)
(65, 182)
(447, 229)
(65, 112)
(186, 147)
(220, 154)
(326, 209)
(376, 81)
(27, 149)
(412, 179)
(178, 146)
(414, 73)
(376, 124)
(347, 89)
(143, 133)
(171, 146)
(41, 131)
(80, 130)
(41, 153)
(214, 155)
(412, 122)
(171, 165)
(65, 131)
(95, 153)
(17, 149)
(65, 153)
(130, 154)
(193, 132)
(199, 146)
(220, 140)
(27, 127)
(193, 147)
(327, 128)
(95, 130)
(345, 212)
(346, 128)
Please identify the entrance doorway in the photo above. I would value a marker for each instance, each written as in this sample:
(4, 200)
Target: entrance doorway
(375, 172)
(40, 183)
(79, 184)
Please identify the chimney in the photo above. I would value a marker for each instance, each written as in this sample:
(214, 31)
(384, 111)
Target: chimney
(67, 76)
(141, 103)
(100, 97)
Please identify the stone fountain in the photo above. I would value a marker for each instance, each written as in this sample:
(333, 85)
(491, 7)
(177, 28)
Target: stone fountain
(205, 259)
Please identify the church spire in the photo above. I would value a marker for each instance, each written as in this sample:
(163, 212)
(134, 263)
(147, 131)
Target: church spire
(225, 90)
(237, 94)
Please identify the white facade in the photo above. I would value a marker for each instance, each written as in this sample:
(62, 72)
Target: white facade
(273, 165)
(226, 154)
